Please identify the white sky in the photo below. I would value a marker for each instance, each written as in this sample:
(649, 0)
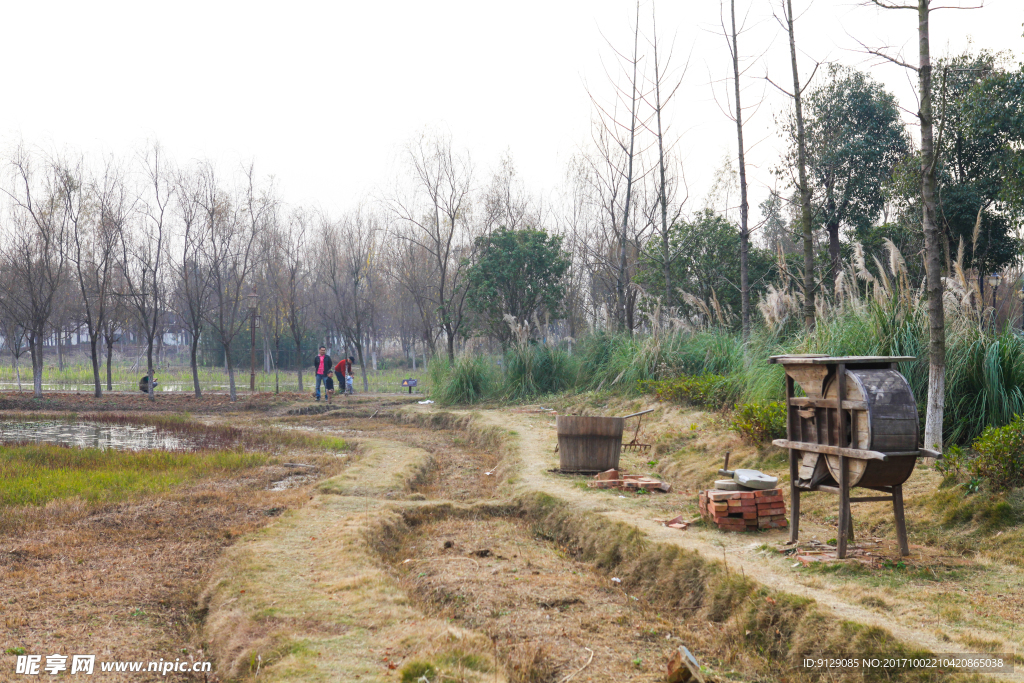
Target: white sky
(323, 95)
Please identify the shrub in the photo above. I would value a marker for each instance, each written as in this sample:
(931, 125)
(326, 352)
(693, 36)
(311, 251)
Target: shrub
(536, 369)
(706, 391)
(1000, 455)
(468, 380)
(760, 422)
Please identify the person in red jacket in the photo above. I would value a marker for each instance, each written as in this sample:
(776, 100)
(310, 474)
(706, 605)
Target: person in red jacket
(342, 370)
(344, 373)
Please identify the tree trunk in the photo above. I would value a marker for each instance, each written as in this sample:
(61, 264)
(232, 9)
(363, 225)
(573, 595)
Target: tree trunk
(110, 357)
(744, 209)
(231, 370)
(193, 354)
(36, 345)
(833, 252)
(149, 367)
(95, 353)
(805, 190)
(362, 367)
(620, 284)
(936, 315)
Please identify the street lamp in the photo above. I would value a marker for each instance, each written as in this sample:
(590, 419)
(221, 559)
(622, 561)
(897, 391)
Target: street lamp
(253, 324)
(993, 281)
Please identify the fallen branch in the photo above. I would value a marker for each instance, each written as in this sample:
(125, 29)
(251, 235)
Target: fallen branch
(582, 667)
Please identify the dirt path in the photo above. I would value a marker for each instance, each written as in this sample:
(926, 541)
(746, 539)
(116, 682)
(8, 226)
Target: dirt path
(899, 611)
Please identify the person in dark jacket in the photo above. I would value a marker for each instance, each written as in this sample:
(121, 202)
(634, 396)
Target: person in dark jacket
(322, 367)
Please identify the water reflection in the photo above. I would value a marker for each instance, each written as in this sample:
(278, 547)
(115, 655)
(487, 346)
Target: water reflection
(91, 435)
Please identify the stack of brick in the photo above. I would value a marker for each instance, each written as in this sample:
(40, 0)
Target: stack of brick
(613, 479)
(743, 510)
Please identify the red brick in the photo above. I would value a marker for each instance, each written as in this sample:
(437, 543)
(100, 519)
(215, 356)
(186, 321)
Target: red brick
(767, 492)
(746, 494)
(749, 515)
(719, 496)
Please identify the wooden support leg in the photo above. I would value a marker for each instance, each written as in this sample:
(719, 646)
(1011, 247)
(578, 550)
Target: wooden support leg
(901, 523)
(794, 498)
(844, 506)
(849, 526)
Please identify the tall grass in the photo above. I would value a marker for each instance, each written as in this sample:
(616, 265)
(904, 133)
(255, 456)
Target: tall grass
(468, 380)
(876, 313)
(537, 369)
(984, 371)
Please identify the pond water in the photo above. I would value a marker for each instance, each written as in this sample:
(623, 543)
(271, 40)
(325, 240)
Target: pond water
(91, 435)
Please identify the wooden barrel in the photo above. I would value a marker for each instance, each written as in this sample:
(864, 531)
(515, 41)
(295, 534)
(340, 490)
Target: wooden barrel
(588, 444)
(888, 424)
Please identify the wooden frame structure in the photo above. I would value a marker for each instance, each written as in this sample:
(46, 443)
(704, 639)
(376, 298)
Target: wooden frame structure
(846, 433)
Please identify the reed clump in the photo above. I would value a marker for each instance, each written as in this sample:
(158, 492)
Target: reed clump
(875, 311)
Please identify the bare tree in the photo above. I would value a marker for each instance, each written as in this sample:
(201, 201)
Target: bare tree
(191, 297)
(506, 202)
(437, 226)
(731, 33)
(14, 335)
(349, 276)
(803, 186)
(142, 250)
(663, 91)
(35, 259)
(233, 255)
(93, 247)
(933, 248)
(291, 278)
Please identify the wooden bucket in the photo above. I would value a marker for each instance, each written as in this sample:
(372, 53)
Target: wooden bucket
(589, 444)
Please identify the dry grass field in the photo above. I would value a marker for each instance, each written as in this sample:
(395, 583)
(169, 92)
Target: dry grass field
(381, 540)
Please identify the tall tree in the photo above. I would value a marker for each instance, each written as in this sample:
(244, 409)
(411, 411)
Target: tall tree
(854, 140)
(142, 249)
(233, 255)
(355, 242)
(518, 273)
(803, 186)
(35, 257)
(436, 226)
(932, 238)
(663, 90)
(972, 169)
(94, 241)
(291, 269)
(191, 297)
(732, 34)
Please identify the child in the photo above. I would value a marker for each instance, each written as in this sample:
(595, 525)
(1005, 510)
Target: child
(348, 378)
(329, 386)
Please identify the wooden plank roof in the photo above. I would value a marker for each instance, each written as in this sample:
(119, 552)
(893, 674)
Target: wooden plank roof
(819, 359)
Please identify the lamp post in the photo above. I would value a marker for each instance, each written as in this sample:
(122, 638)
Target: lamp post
(993, 281)
(253, 324)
